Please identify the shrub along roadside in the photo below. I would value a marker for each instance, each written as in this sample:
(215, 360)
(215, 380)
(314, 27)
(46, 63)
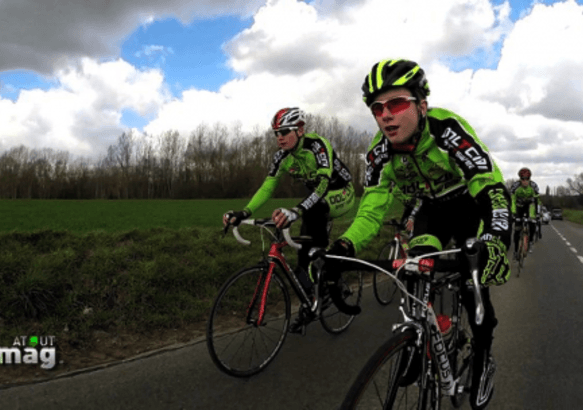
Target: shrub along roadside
(69, 285)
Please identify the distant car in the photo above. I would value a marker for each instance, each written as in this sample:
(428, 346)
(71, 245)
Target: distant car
(546, 216)
(557, 213)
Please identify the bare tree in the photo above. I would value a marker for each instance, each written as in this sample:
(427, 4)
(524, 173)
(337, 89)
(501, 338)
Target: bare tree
(576, 185)
(171, 154)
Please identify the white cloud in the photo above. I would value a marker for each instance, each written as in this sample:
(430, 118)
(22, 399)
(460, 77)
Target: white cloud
(45, 35)
(83, 114)
(528, 109)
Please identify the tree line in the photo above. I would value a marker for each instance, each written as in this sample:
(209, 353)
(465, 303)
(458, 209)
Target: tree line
(212, 162)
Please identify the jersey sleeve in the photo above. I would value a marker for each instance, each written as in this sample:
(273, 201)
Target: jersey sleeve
(513, 189)
(376, 199)
(323, 156)
(269, 185)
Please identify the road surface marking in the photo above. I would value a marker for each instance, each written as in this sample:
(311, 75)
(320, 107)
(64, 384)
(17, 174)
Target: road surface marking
(568, 244)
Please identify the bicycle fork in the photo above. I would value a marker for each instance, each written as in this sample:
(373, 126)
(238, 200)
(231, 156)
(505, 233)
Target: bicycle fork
(261, 290)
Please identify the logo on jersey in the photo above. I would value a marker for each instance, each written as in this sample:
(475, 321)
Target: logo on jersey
(471, 155)
(321, 155)
(277, 159)
(500, 213)
(375, 158)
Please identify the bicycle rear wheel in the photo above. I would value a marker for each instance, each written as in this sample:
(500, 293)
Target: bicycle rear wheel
(391, 379)
(333, 320)
(385, 288)
(237, 343)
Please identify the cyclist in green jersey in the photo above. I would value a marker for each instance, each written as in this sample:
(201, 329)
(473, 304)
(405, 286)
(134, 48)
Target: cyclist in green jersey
(435, 155)
(311, 159)
(525, 203)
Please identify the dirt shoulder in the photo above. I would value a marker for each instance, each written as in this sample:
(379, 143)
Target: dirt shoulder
(110, 349)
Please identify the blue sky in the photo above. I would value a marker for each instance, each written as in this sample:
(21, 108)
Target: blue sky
(190, 55)
(78, 82)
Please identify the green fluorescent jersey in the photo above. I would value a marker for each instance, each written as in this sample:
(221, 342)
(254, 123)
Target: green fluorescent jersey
(524, 195)
(314, 162)
(408, 200)
(448, 160)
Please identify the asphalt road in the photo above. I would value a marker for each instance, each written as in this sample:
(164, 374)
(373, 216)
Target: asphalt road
(537, 349)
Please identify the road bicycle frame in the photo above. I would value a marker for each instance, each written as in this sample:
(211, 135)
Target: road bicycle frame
(276, 256)
(423, 321)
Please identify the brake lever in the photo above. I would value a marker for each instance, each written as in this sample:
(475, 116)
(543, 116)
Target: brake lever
(472, 255)
(226, 229)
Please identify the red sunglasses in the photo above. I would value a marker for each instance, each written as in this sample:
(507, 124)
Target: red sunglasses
(394, 105)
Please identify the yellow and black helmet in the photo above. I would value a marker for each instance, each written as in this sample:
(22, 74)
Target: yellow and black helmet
(388, 74)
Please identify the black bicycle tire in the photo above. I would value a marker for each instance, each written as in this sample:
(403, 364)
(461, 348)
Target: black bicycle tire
(393, 288)
(327, 313)
(211, 344)
(391, 347)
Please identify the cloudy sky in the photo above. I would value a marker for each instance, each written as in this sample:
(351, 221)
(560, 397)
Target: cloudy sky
(75, 74)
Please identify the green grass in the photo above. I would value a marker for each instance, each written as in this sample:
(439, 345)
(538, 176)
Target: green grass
(573, 215)
(116, 216)
(136, 265)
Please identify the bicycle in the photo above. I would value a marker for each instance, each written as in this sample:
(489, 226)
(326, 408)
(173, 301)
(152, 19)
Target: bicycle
(384, 288)
(250, 317)
(429, 355)
(523, 227)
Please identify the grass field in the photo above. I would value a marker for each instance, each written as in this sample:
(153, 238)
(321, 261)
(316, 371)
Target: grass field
(573, 215)
(118, 216)
(134, 265)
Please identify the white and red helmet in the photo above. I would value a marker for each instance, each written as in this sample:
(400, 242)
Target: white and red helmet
(288, 118)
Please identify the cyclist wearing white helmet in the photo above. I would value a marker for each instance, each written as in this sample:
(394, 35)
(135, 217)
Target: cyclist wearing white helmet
(435, 155)
(311, 159)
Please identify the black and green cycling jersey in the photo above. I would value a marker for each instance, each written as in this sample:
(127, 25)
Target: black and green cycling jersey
(409, 201)
(448, 160)
(315, 163)
(525, 195)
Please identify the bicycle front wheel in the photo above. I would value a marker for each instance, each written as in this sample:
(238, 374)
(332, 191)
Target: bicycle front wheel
(333, 320)
(462, 357)
(248, 321)
(384, 287)
(391, 379)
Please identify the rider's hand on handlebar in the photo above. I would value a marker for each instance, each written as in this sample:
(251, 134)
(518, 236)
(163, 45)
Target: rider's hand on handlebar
(494, 263)
(342, 247)
(234, 217)
(284, 217)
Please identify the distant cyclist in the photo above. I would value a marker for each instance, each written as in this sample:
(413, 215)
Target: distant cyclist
(435, 155)
(311, 159)
(525, 203)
